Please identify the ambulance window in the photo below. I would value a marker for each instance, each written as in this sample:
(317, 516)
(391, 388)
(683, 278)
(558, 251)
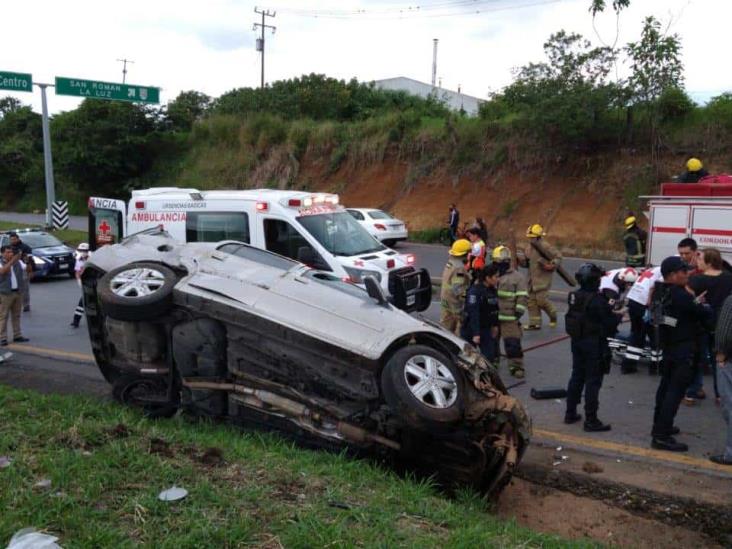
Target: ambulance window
(282, 238)
(215, 226)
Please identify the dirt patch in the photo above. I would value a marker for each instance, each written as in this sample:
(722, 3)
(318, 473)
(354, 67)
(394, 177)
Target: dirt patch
(556, 512)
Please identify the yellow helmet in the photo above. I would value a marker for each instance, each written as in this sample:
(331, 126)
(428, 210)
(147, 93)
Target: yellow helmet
(535, 231)
(500, 254)
(460, 247)
(693, 165)
(629, 221)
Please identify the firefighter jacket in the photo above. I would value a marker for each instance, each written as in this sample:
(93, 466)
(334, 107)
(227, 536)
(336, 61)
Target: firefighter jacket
(634, 241)
(455, 283)
(539, 278)
(512, 296)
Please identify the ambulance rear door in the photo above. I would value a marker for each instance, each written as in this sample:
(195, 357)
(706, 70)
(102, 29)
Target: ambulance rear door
(107, 221)
(711, 226)
(669, 224)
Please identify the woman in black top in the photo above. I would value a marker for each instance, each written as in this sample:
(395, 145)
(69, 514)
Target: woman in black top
(716, 284)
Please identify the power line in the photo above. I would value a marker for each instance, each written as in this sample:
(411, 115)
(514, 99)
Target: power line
(260, 41)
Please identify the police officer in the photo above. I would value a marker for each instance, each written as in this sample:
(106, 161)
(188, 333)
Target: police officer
(513, 297)
(589, 322)
(480, 325)
(677, 318)
(455, 283)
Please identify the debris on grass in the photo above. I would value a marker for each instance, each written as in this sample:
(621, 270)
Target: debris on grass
(5, 461)
(43, 484)
(29, 538)
(174, 493)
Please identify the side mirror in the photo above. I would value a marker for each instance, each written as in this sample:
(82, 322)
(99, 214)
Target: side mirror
(306, 255)
(374, 290)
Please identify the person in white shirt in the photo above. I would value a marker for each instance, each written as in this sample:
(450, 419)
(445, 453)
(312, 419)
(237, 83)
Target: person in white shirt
(11, 295)
(639, 296)
(615, 284)
(82, 256)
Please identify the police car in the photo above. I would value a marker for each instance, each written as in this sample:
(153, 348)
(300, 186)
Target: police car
(50, 255)
(312, 228)
(382, 226)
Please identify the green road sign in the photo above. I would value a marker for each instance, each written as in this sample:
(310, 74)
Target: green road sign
(106, 90)
(16, 81)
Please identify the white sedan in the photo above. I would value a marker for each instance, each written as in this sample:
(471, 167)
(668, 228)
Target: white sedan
(381, 225)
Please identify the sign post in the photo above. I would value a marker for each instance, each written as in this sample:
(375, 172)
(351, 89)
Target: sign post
(47, 157)
(96, 89)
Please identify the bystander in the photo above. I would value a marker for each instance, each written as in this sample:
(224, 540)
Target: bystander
(724, 376)
(11, 296)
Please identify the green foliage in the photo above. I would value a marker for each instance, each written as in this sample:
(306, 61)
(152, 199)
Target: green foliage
(598, 6)
(185, 109)
(21, 150)
(674, 104)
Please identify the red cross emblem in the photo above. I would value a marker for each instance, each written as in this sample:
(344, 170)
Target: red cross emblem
(104, 228)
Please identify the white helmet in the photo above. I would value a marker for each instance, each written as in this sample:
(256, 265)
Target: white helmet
(83, 247)
(628, 275)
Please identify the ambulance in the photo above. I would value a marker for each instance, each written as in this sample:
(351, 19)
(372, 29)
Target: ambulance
(312, 228)
(702, 211)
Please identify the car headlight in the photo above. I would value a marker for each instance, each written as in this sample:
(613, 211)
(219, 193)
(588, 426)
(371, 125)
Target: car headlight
(39, 260)
(356, 275)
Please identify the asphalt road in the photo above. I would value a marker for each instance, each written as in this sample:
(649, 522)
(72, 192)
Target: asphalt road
(626, 400)
(78, 222)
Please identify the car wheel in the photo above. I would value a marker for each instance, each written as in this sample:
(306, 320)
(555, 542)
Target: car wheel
(147, 393)
(388, 243)
(137, 291)
(423, 385)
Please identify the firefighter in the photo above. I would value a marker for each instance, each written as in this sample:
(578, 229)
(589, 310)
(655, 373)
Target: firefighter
(541, 271)
(694, 171)
(512, 298)
(634, 241)
(589, 322)
(480, 326)
(455, 283)
(677, 317)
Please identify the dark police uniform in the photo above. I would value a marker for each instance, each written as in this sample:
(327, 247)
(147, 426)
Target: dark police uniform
(589, 322)
(481, 314)
(678, 319)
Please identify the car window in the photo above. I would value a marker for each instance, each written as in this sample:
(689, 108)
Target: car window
(40, 240)
(257, 255)
(378, 214)
(340, 234)
(282, 238)
(215, 226)
(336, 283)
(356, 214)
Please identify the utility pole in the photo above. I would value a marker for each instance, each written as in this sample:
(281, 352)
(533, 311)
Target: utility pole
(434, 61)
(124, 68)
(47, 158)
(260, 40)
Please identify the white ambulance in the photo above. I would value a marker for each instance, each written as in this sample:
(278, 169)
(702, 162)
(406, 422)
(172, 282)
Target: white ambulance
(702, 211)
(312, 228)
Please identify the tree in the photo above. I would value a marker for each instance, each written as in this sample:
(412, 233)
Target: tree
(9, 104)
(21, 149)
(598, 6)
(185, 109)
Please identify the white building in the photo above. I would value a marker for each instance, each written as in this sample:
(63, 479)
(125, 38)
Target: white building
(454, 100)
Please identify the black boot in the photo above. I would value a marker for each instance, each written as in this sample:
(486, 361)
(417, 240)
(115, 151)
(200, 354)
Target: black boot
(669, 444)
(572, 417)
(594, 425)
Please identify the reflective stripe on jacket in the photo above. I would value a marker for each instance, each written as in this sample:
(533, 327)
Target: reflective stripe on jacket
(512, 296)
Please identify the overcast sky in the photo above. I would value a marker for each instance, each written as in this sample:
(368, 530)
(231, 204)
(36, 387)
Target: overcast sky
(210, 45)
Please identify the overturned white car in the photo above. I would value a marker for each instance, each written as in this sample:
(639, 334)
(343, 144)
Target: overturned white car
(231, 331)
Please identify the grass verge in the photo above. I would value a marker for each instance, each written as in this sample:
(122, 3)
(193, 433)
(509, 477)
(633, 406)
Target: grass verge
(106, 465)
(71, 236)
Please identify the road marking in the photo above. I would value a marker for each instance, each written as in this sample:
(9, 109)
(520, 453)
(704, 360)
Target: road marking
(637, 451)
(50, 353)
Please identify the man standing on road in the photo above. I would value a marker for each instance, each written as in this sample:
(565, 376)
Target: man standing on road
(724, 376)
(589, 322)
(678, 317)
(25, 255)
(453, 222)
(455, 283)
(541, 270)
(634, 242)
(481, 313)
(82, 256)
(11, 280)
(512, 298)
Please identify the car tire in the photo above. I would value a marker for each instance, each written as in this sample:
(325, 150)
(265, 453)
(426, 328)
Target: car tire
(137, 291)
(424, 386)
(389, 243)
